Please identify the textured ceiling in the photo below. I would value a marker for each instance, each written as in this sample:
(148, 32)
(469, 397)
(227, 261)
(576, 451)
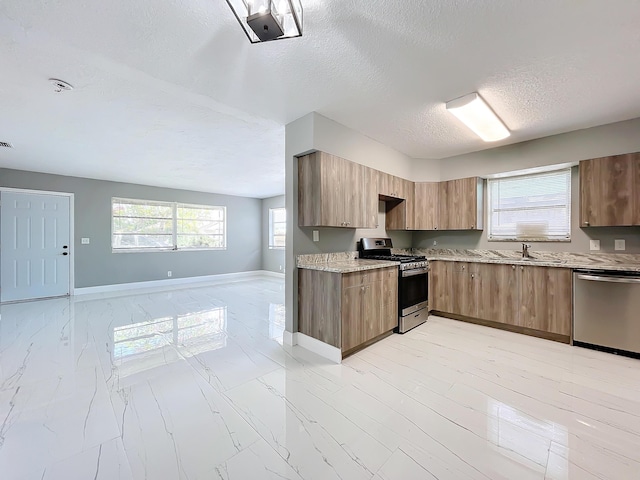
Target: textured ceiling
(171, 93)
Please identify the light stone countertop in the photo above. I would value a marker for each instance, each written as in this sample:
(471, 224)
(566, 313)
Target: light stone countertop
(346, 266)
(346, 262)
(610, 262)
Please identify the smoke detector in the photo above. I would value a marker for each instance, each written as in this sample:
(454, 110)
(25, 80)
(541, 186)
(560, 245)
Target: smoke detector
(6, 145)
(60, 85)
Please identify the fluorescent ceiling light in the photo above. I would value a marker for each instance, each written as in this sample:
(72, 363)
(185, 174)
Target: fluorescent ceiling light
(265, 20)
(474, 112)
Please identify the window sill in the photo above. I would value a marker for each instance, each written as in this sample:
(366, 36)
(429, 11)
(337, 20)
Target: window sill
(533, 240)
(165, 250)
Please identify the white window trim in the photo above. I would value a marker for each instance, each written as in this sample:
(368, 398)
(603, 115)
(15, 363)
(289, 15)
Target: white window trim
(271, 246)
(174, 248)
(546, 239)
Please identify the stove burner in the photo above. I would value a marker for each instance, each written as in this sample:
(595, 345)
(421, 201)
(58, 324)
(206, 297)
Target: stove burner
(395, 258)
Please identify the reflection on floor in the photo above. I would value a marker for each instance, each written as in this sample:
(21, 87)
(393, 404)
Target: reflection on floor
(196, 384)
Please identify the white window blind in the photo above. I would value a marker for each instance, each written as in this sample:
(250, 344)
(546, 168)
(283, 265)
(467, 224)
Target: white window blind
(530, 207)
(145, 225)
(277, 227)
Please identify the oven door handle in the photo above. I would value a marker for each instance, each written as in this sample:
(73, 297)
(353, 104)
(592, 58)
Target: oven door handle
(415, 271)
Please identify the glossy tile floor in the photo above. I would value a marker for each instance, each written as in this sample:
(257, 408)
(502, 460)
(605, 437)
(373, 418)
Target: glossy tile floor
(195, 384)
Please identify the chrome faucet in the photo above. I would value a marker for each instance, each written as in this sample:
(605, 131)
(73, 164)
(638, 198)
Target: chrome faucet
(525, 250)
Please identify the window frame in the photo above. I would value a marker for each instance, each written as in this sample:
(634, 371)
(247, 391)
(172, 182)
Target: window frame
(174, 226)
(271, 228)
(492, 237)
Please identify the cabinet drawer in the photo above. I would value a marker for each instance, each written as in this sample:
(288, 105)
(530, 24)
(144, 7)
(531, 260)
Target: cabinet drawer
(368, 276)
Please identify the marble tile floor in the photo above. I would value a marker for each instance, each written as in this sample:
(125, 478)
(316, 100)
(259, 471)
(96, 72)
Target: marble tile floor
(196, 384)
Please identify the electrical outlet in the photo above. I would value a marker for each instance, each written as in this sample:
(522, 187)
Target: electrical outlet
(316, 236)
(435, 242)
(84, 241)
(594, 245)
(169, 273)
(620, 245)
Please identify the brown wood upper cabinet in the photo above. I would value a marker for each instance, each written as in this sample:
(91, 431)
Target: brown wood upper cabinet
(391, 186)
(461, 204)
(334, 192)
(610, 191)
(427, 206)
(400, 213)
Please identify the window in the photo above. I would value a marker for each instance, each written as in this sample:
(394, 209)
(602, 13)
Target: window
(152, 226)
(531, 207)
(277, 227)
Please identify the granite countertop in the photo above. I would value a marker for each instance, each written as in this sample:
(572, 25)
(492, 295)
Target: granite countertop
(611, 262)
(342, 262)
(346, 262)
(347, 266)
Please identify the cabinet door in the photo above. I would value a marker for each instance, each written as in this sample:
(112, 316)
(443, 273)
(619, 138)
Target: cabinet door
(441, 286)
(408, 192)
(498, 292)
(354, 330)
(636, 188)
(426, 206)
(545, 299)
(389, 315)
(465, 289)
(369, 197)
(606, 191)
(390, 185)
(461, 204)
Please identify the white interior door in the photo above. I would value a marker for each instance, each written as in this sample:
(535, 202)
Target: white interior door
(34, 244)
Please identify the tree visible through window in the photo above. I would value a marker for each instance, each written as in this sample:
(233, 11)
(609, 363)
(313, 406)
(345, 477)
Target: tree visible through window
(277, 227)
(533, 207)
(151, 225)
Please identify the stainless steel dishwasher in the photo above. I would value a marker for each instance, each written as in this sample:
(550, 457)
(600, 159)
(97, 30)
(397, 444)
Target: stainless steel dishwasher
(606, 311)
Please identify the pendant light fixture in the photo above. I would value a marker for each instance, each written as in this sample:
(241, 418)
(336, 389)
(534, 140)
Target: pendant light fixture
(265, 20)
(477, 115)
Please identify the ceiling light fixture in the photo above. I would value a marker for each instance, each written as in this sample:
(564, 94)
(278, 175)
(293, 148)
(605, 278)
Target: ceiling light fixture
(476, 114)
(264, 20)
(60, 85)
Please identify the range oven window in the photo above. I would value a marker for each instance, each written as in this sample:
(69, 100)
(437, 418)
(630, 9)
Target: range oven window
(413, 290)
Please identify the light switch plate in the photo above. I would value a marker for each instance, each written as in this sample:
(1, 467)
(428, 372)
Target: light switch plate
(85, 241)
(316, 236)
(594, 245)
(620, 245)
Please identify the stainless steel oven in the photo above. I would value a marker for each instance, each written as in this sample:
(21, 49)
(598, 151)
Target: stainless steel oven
(413, 300)
(412, 282)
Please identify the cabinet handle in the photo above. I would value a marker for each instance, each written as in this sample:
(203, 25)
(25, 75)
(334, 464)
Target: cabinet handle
(513, 267)
(586, 223)
(471, 226)
(473, 276)
(435, 228)
(521, 268)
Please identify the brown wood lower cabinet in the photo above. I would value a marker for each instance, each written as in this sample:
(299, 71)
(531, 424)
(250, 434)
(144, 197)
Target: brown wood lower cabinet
(528, 299)
(347, 310)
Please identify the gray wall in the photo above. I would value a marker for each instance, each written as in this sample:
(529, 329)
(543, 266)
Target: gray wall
(272, 258)
(616, 138)
(96, 265)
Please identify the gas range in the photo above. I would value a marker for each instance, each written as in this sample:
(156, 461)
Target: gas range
(380, 249)
(407, 262)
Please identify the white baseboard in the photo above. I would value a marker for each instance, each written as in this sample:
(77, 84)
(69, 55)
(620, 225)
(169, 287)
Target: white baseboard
(325, 350)
(289, 338)
(171, 282)
(269, 273)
